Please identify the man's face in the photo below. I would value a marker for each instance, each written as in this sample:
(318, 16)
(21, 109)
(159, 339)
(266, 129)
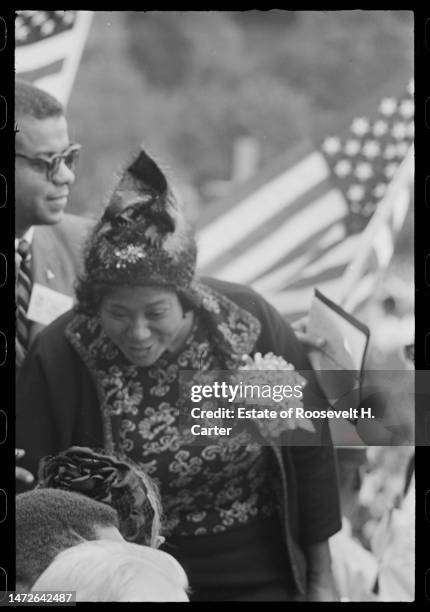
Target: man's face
(38, 200)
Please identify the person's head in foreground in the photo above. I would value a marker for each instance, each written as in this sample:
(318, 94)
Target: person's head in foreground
(45, 158)
(49, 521)
(139, 267)
(117, 482)
(113, 571)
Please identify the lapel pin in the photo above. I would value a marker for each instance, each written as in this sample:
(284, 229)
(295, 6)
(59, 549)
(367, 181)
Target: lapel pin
(49, 274)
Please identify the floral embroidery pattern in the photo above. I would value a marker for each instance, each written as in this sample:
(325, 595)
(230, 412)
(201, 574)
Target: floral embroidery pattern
(123, 394)
(163, 375)
(205, 489)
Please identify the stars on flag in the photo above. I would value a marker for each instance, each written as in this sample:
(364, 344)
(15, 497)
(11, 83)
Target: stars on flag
(371, 149)
(33, 26)
(352, 147)
(367, 157)
(22, 32)
(388, 106)
(390, 170)
(38, 18)
(407, 109)
(360, 126)
(331, 145)
(379, 190)
(363, 171)
(399, 131)
(380, 127)
(47, 27)
(355, 193)
(343, 167)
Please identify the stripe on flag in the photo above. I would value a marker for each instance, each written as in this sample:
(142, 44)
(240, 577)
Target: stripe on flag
(292, 234)
(249, 214)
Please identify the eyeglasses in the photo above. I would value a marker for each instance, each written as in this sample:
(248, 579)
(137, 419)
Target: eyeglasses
(51, 165)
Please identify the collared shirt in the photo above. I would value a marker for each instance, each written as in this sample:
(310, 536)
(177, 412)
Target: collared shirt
(28, 236)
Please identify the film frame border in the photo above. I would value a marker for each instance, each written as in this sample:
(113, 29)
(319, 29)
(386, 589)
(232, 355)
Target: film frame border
(422, 293)
(7, 326)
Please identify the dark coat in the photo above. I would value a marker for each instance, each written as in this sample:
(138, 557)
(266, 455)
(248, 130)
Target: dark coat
(58, 406)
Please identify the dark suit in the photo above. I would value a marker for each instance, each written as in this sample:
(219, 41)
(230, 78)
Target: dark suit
(57, 256)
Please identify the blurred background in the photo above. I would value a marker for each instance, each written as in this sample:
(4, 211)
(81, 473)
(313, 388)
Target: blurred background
(189, 85)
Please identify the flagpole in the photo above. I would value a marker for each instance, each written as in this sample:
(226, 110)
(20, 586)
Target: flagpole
(383, 211)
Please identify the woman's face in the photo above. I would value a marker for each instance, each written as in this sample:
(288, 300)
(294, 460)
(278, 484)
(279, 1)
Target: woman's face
(143, 322)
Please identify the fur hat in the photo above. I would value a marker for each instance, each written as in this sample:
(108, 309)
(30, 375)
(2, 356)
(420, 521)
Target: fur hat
(142, 237)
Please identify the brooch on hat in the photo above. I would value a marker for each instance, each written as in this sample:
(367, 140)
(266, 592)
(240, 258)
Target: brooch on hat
(129, 254)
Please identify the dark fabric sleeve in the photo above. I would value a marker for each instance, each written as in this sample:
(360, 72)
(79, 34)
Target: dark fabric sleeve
(317, 489)
(56, 402)
(36, 430)
(314, 466)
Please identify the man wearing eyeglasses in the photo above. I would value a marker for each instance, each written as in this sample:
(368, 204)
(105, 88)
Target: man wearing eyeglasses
(47, 240)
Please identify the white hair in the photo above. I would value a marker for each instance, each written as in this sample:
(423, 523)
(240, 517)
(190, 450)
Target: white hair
(105, 570)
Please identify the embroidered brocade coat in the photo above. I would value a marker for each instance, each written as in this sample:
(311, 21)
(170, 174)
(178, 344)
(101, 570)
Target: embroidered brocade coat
(60, 404)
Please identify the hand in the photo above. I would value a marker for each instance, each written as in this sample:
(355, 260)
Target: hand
(22, 474)
(311, 341)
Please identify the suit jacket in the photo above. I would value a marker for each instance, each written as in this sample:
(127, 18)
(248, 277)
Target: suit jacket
(57, 256)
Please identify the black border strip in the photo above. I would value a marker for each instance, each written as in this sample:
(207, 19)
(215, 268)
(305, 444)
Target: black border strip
(422, 309)
(422, 297)
(7, 321)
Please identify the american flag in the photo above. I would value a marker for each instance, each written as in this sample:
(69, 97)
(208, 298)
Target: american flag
(48, 48)
(305, 223)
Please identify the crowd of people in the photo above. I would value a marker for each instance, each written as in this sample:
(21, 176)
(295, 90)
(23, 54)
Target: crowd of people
(126, 507)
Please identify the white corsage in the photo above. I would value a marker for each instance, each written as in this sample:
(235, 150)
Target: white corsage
(283, 393)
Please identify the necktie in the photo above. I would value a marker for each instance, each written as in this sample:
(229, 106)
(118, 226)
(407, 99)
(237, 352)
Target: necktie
(22, 299)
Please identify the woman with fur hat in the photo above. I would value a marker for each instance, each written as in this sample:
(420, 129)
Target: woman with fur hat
(247, 518)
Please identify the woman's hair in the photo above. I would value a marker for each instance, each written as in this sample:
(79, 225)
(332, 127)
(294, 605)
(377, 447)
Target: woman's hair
(90, 295)
(105, 570)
